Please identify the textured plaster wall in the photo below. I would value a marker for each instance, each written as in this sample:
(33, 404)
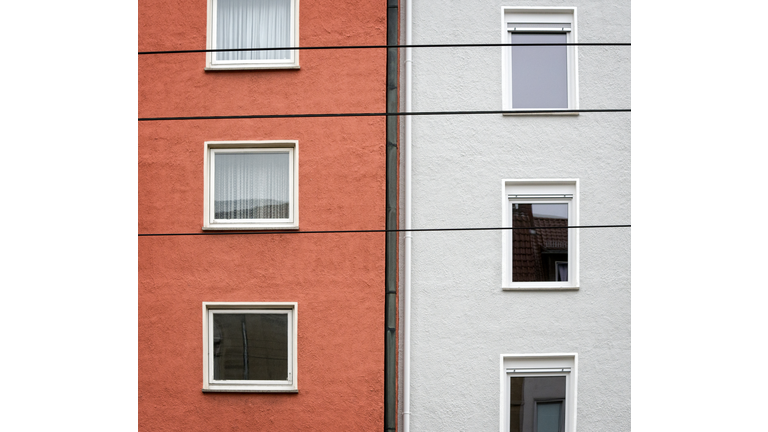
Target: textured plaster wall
(337, 280)
(462, 320)
(340, 357)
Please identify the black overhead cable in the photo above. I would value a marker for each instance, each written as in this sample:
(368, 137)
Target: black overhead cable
(378, 114)
(376, 230)
(385, 46)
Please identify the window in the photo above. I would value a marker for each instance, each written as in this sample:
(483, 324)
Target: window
(253, 24)
(249, 347)
(538, 393)
(251, 185)
(543, 253)
(539, 77)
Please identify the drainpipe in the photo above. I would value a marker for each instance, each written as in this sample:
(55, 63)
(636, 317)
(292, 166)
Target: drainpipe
(390, 242)
(407, 216)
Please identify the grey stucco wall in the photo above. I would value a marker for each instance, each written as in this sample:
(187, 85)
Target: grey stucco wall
(462, 321)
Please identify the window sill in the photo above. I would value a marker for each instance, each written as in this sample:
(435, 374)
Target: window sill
(540, 113)
(248, 391)
(251, 67)
(541, 288)
(239, 227)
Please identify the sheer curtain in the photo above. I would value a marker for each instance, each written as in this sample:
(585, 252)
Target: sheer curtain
(253, 24)
(252, 185)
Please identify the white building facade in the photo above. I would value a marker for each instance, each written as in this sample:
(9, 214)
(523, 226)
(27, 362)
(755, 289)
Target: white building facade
(524, 329)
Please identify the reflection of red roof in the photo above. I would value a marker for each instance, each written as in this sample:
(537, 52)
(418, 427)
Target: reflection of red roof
(528, 246)
(552, 238)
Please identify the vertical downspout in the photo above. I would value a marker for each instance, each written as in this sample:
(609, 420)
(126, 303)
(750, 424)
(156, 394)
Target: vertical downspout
(390, 245)
(406, 297)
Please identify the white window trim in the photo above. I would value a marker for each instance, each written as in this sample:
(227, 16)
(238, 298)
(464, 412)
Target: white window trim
(212, 64)
(558, 364)
(209, 223)
(539, 14)
(540, 187)
(288, 386)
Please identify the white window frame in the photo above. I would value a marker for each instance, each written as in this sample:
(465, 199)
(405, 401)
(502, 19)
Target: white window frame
(535, 365)
(247, 386)
(540, 191)
(539, 15)
(214, 147)
(210, 57)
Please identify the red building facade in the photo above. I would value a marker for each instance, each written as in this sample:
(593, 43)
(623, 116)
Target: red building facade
(204, 269)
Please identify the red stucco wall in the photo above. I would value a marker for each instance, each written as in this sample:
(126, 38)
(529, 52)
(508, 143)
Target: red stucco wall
(337, 279)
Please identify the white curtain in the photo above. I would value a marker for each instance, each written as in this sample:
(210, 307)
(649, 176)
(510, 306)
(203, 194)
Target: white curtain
(562, 271)
(253, 24)
(253, 185)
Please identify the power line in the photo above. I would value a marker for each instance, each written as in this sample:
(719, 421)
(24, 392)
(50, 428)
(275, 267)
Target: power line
(378, 114)
(384, 46)
(375, 230)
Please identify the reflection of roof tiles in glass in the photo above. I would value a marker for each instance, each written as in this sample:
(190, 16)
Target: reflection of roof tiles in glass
(553, 238)
(528, 246)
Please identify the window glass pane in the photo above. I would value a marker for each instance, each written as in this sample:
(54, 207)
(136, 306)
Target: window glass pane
(516, 404)
(539, 73)
(515, 418)
(539, 255)
(252, 185)
(536, 404)
(250, 346)
(253, 24)
(548, 416)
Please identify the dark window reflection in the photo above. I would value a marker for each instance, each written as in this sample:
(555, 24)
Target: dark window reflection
(539, 255)
(537, 404)
(250, 346)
